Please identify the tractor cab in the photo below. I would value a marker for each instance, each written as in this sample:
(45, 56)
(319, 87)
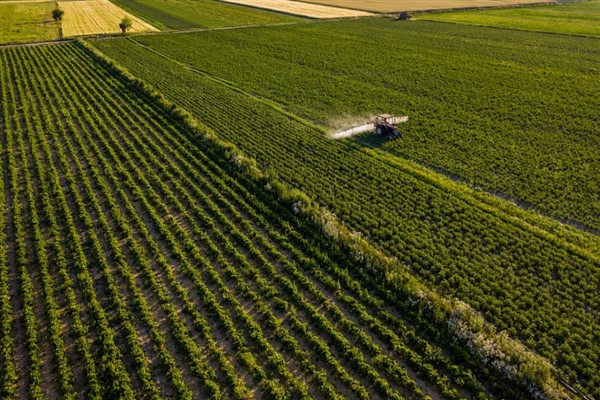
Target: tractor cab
(384, 126)
(383, 119)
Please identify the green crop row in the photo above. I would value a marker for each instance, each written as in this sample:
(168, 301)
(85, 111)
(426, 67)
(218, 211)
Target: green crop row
(511, 112)
(537, 287)
(171, 272)
(432, 312)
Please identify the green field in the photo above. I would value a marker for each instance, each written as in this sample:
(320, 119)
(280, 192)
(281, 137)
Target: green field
(186, 14)
(142, 262)
(176, 221)
(577, 18)
(27, 22)
(468, 93)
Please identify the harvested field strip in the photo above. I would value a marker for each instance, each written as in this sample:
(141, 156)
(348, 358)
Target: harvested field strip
(91, 17)
(302, 9)
(391, 6)
(175, 275)
(185, 14)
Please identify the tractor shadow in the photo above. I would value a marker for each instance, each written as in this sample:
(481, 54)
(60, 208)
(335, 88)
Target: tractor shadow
(372, 141)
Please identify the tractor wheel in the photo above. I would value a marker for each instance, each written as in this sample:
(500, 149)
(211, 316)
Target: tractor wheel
(379, 131)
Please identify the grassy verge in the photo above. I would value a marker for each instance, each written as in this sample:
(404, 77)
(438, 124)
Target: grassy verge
(27, 22)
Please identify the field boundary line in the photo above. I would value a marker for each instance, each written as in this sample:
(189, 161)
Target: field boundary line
(194, 30)
(525, 221)
(33, 44)
(478, 200)
(237, 89)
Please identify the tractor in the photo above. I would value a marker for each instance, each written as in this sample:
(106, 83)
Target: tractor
(385, 126)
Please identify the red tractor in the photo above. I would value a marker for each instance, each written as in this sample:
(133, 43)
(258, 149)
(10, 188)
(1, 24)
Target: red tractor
(385, 126)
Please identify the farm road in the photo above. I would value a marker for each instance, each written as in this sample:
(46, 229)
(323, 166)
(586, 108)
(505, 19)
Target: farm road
(32, 44)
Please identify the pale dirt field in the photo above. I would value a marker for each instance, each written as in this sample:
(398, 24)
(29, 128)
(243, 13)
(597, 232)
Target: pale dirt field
(90, 17)
(384, 6)
(301, 8)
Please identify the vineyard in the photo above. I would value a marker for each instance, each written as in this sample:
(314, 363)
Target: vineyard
(142, 261)
(538, 285)
(465, 89)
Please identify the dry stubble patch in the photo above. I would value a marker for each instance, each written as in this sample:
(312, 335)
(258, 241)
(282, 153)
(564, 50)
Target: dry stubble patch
(388, 6)
(90, 17)
(302, 9)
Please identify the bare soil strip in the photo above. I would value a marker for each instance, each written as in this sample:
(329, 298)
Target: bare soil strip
(390, 6)
(303, 9)
(92, 17)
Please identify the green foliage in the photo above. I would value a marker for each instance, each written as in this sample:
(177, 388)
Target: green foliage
(519, 275)
(125, 24)
(162, 257)
(184, 14)
(570, 18)
(466, 91)
(57, 14)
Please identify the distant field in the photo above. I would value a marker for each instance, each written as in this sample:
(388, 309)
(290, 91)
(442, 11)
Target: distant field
(582, 18)
(91, 17)
(302, 9)
(27, 22)
(182, 14)
(385, 6)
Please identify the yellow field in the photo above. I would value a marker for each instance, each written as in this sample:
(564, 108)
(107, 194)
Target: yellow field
(385, 6)
(302, 8)
(91, 17)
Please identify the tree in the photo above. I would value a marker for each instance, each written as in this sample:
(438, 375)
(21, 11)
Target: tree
(57, 14)
(125, 24)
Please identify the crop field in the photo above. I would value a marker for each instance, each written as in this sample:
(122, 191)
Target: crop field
(178, 221)
(538, 283)
(141, 263)
(187, 14)
(302, 9)
(391, 6)
(27, 22)
(579, 18)
(91, 17)
(474, 118)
